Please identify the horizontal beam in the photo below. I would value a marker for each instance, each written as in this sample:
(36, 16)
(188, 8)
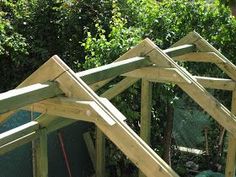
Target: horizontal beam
(216, 83)
(18, 132)
(54, 123)
(21, 97)
(112, 70)
(18, 142)
(156, 74)
(209, 57)
(18, 136)
(67, 107)
(123, 65)
(180, 50)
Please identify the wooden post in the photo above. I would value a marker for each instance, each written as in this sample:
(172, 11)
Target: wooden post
(41, 155)
(231, 156)
(100, 153)
(146, 106)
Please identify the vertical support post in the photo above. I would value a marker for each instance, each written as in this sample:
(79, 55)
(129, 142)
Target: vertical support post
(100, 153)
(231, 155)
(146, 106)
(41, 155)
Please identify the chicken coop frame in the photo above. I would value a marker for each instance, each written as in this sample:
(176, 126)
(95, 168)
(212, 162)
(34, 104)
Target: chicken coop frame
(63, 97)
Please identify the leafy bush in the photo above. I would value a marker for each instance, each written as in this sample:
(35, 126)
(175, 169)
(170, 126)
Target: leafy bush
(164, 22)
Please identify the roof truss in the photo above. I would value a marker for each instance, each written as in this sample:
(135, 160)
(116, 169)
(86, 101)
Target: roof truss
(56, 91)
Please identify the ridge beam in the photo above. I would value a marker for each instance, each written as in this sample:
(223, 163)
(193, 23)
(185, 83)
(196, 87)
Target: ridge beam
(180, 50)
(94, 75)
(21, 97)
(123, 65)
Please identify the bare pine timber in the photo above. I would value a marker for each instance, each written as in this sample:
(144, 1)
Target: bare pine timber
(231, 153)
(146, 106)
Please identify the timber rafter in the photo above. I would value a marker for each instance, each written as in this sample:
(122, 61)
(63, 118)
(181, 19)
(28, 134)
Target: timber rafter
(63, 97)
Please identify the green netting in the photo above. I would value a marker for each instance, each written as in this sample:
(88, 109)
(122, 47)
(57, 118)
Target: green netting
(209, 173)
(19, 161)
(188, 126)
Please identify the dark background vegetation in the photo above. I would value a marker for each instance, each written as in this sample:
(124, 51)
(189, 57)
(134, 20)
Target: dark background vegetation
(87, 34)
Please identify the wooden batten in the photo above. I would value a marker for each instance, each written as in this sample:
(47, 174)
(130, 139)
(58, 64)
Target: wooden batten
(91, 148)
(100, 153)
(18, 132)
(41, 155)
(18, 136)
(231, 152)
(216, 83)
(94, 75)
(146, 107)
(210, 57)
(180, 50)
(21, 97)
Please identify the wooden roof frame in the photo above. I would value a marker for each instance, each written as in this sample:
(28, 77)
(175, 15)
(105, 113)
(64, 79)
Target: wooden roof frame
(64, 97)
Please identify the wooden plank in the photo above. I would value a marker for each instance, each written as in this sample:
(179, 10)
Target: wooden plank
(18, 132)
(100, 153)
(67, 107)
(180, 50)
(211, 105)
(54, 123)
(112, 70)
(131, 144)
(20, 97)
(90, 146)
(18, 142)
(146, 106)
(41, 155)
(151, 164)
(210, 57)
(202, 45)
(157, 74)
(47, 72)
(231, 153)
(139, 50)
(216, 83)
(119, 88)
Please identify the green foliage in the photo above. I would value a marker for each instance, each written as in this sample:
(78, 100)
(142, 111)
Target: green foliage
(164, 22)
(88, 34)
